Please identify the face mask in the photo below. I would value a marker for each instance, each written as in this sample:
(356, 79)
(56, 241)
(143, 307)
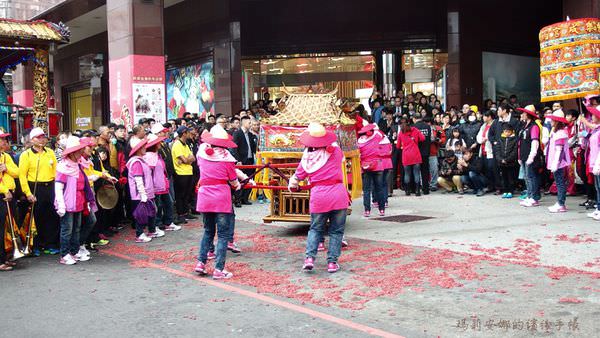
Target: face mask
(462, 121)
(113, 140)
(471, 118)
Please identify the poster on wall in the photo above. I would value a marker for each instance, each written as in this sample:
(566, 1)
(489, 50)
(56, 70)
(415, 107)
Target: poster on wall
(148, 101)
(191, 89)
(506, 74)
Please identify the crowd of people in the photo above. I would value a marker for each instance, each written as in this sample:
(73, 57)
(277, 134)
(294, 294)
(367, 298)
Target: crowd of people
(501, 149)
(167, 174)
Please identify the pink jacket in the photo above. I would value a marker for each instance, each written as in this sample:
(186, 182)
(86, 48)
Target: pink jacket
(371, 152)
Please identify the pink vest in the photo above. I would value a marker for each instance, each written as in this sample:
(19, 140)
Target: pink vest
(370, 153)
(159, 175)
(148, 184)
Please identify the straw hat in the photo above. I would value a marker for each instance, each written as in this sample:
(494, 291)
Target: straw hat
(73, 145)
(154, 140)
(591, 109)
(530, 109)
(558, 116)
(218, 137)
(317, 136)
(136, 144)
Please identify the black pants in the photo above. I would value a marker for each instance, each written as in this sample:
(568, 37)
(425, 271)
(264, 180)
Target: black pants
(425, 177)
(3, 213)
(46, 218)
(509, 175)
(243, 194)
(184, 186)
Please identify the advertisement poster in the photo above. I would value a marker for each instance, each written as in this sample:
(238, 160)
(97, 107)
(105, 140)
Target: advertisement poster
(506, 74)
(191, 89)
(148, 101)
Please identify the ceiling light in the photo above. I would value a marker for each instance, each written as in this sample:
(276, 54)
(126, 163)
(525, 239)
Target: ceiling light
(364, 53)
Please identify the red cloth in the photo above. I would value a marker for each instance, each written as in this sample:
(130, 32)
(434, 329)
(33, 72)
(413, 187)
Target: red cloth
(359, 124)
(409, 143)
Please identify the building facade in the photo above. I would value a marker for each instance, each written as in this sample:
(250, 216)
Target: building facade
(139, 58)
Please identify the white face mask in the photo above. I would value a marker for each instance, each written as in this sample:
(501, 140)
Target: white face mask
(471, 118)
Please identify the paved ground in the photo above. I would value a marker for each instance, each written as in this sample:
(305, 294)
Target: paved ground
(481, 267)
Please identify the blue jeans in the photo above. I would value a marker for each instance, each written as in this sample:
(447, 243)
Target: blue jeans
(475, 180)
(373, 183)
(87, 224)
(387, 173)
(560, 178)
(433, 171)
(415, 169)
(164, 210)
(532, 182)
(220, 223)
(232, 223)
(337, 223)
(70, 226)
(597, 185)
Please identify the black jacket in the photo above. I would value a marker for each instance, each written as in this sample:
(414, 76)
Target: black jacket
(424, 147)
(507, 154)
(469, 132)
(497, 128)
(241, 152)
(475, 164)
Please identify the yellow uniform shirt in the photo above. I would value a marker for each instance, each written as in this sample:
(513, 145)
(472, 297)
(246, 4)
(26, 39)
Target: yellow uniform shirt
(89, 171)
(180, 149)
(7, 178)
(28, 168)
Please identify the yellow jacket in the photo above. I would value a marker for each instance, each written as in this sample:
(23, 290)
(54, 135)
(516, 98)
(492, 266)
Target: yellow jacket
(28, 163)
(7, 178)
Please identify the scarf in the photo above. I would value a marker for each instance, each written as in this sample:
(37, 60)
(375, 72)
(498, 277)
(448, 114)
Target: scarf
(314, 160)
(151, 159)
(68, 167)
(85, 162)
(219, 154)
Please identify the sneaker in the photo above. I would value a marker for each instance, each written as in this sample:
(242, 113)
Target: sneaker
(173, 227)
(200, 268)
(309, 264)
(180, 220)
(82, 256)
(367, 213)
(381, 212)
(37, 252)
(557, 208)
(83, 249)
(233, 247)
(68, 260)
(596, 218)
(222, 274)
(261, 201)
(102, 242)
(321, 247)
(143, 238)
(593, 214)
(344, 243)
(526, 202)
(211, 255)
(523, 196)
(51, 251)
(480, 193)
(157, 233)
(509, 195)
(333, 267)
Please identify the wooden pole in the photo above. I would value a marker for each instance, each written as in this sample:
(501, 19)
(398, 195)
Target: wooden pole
(40, 89)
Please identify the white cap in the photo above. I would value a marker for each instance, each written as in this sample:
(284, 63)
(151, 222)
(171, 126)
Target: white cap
(36, 132)
(157, 128)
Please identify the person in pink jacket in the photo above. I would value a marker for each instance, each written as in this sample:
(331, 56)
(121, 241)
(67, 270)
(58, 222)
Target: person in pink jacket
(371, 161)
(321, 163)
(558, 158)
(593, 160)
(408, 140)
(217, 177)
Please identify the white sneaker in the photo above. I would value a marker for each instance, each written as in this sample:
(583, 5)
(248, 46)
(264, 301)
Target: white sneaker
(143, 239)
(557, 208)
(82, 256)
(173, 227)
(526, 202)
(157, 233)
(593, 214)
(84, 250)
(68, 260)
(597, 217)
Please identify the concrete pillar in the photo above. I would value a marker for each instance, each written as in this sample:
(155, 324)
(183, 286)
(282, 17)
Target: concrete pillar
(228, 73)
(136, 60)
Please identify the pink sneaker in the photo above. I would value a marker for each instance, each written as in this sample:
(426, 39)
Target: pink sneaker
(211, 255)
(222, 274)
(381, 212)
(200, 268)
(344, 243)
(309, 264)
(232, 246)
(366, 213)
(321, 247)
(333, 267)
